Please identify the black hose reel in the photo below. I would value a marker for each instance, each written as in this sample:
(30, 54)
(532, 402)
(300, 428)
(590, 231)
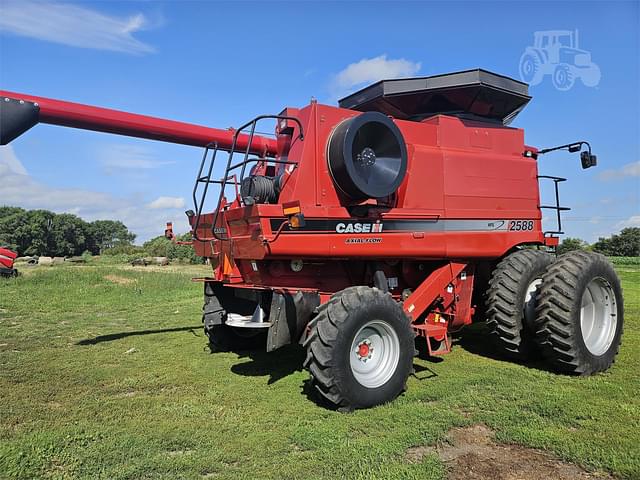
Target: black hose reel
(260, 189)
(367, 156)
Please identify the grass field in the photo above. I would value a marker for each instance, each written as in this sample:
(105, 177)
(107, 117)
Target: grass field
(104, 373)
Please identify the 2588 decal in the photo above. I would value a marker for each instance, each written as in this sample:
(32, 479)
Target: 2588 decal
(520, 225)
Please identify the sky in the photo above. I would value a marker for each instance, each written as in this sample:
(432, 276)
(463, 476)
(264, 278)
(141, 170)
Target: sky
(222, 63)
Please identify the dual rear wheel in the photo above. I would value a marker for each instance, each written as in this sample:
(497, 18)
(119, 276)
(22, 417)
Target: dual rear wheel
(579, 314)
(568, 311)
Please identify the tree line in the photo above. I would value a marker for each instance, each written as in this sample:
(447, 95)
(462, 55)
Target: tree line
(624, 244)
(157, 247)
(45, 233)
(41, 232)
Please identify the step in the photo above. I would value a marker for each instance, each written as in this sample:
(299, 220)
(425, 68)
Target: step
(247, 321)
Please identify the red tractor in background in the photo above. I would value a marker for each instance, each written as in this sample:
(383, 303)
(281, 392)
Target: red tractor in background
(7, 257)
(412, 209)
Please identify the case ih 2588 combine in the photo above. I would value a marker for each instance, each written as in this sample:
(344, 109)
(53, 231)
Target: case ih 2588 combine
(410, 210)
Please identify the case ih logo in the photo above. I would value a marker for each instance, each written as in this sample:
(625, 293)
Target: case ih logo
(359, 227)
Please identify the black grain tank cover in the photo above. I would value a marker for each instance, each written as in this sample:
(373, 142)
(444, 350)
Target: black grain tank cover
(474, 94)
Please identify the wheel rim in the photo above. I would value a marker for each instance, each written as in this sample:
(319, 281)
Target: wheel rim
(598, 314)
(374, 354)
(530, 298)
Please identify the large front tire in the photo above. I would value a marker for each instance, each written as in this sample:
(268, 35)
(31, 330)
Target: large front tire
(579, 317)
(360, 349)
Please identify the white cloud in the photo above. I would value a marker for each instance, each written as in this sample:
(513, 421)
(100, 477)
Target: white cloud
(128, 157)
(166, 202)
(370, 70)
(147, 220)
(626, 171)
(73, 25)
(9, 163)
(632, 221)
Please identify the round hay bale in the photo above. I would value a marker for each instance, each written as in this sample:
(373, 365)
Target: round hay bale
(45, 261)
(27, 260)
(77, 259)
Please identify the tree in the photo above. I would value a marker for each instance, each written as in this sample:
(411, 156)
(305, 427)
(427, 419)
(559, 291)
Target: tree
(108, 234)
(158, 246)
(569, 244)
(624, 244)
(184, 252)
(68, 235)
(26, 231)
(163, 247)
(6, 211)
(9, 220)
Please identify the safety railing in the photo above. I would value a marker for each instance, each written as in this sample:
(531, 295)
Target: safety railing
(204, 174)
(556, 207)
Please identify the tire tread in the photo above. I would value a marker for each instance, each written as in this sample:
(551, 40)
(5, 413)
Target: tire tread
(324, 330)
(503, 313)
(556, 332)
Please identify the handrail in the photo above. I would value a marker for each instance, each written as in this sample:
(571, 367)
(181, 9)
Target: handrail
(556, 207)
(246, 160)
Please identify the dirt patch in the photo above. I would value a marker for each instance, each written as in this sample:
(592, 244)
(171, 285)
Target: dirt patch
(129, 394)
(178, 453)
(416, 454)
(119, 280)
(471, 454)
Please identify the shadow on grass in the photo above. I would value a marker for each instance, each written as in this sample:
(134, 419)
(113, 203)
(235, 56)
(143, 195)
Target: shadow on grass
(117, 336)
(423, 351)
(277, 365)
(288, 360)
(475, 339)
(421, 373)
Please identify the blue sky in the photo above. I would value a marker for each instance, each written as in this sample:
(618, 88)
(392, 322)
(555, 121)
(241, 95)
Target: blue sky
(220, 64)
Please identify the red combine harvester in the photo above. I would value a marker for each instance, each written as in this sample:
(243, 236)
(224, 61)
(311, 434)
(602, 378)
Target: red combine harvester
(409, 210)
(7, 257)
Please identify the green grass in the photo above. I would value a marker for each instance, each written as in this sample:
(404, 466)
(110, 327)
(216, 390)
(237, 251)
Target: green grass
(75, 404)
(625, 260)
